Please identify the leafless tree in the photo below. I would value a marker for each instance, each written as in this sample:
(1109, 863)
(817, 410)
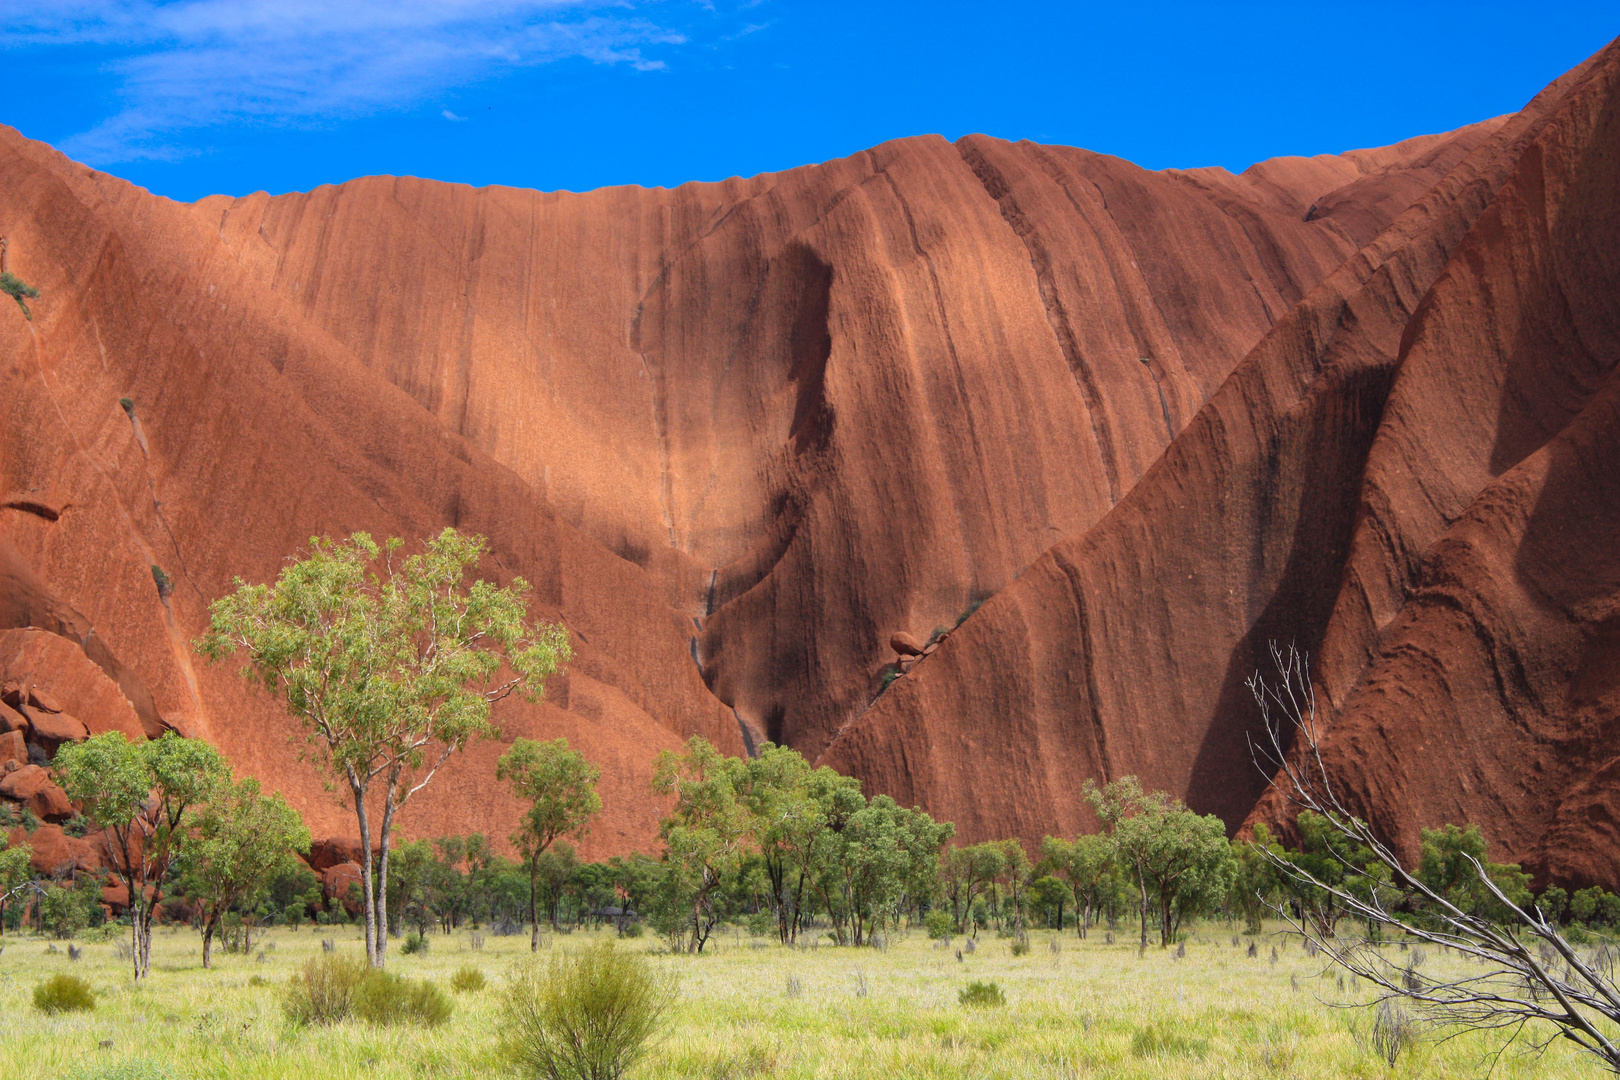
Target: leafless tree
(1529, 979)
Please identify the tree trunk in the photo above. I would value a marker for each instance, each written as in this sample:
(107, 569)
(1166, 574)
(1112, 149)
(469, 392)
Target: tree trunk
(534, 908)
(208, 941)
(1166, 932)
(382, 875)
(369, 896)
(1141, 883)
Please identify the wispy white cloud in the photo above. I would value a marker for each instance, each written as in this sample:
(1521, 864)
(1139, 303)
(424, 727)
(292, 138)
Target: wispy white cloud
(193, 64)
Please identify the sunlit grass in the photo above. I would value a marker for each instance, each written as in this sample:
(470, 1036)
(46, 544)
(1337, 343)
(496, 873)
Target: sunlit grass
(1088, 1009)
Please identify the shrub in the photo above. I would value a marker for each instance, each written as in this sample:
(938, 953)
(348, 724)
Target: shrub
(323, 992)
(1393, 1030)
(1020, 945)
(467, 980)
(938, 924)
(383, 998)
(1155, 1042)
(331, 988)
(982, 995)
(633, 930)
(583, 1016)
(414, 943)
(64, 993)
(760, 924)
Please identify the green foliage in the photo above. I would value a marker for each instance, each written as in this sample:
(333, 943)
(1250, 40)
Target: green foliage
(241, 842)
(968, 612)
(415, 944)
(67, 910)
(143, 794)
(385, 662)
(1447, 857)
(981, 995)
(384, 999)
(467, 980)
(1554, 903)
(64, 993)
(560, 787)
(1180, 858)
(15, 868)
(939, 924)
(332, 987)
(164, 583)
(705, 837)
(323, 991)
(18, 289)
(887, 680)
(558, 784)
(583, 1016)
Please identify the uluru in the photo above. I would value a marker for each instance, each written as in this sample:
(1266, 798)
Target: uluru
(972, 468)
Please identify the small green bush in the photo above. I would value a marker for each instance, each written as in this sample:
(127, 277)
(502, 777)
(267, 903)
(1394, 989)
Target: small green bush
(331, 988)
(64, 993)
(414, 944)
(633, 930)
(982, 995)
(383, 998)
(938, 924)
(587, 1015)
(323, 992)
(1154, 1042)
(1020, 944)
(467, 980)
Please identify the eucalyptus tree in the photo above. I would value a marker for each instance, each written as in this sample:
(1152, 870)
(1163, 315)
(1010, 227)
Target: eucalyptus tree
(559, 785)
(705, 835)
(390, 665)
(142, 795)
(241, 840)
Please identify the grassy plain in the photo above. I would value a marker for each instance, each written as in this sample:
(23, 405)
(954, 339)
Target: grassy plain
(1080, 1009)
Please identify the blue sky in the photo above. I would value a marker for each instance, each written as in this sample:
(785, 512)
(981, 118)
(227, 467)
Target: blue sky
(194, 97)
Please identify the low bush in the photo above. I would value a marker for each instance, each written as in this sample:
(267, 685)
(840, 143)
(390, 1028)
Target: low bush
(64, 993)
(467, 980)
(1393, 1030)
(323, 992)
(414, 944)
(383, 998)
(585, 1015)
(938, 924)
(982, 995)
(331, 988)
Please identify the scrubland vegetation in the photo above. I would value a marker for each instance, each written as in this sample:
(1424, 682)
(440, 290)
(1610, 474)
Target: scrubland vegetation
(751, 1007)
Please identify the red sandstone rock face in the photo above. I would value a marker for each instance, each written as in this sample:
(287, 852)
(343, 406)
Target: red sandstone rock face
(1411, 476)
(743, 438)
(33, 787)
(56, 853)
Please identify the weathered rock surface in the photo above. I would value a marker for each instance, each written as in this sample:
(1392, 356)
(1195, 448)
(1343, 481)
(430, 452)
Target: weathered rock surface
(33, 787)
(1412, 476)
(749, 440)
(55, 853)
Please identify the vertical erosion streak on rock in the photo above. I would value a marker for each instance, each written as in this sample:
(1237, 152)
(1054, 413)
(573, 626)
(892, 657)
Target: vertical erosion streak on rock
(950, 346)
(1000, 192)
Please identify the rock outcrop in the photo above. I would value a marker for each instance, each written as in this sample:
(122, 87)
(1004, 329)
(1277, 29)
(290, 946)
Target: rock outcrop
(760, 445)
(1412, 478)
